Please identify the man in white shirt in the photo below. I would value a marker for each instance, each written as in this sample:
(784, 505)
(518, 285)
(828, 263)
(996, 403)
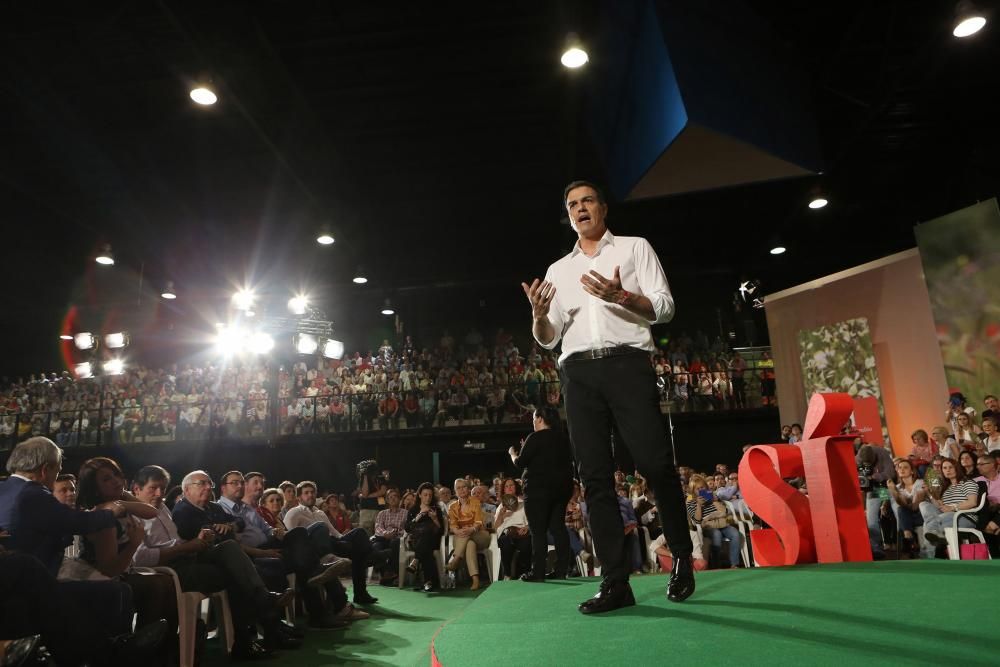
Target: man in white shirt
(354, 544)
(600, 301)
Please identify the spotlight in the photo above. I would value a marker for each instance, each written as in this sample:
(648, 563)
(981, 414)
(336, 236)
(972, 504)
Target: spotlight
(204, 96)
(243, 300)
(387, 308)
(305, 343)
(260, 343)
(230, 340)
(818, 202)
(298, 304)
(65, 337)
(168, 291)
(84, 370)
(333, 349)
(359, 276)
(114, 367)
(968, 21)
(574, 56)
(105, 258)
(325, 237)
(116, 340)
(778, 250)
(84, 341)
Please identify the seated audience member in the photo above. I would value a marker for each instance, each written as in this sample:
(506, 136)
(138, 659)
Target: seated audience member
(956, 493)
(482, 493)
(632, 541)
(965, 431)
(207, 565)
(923, 450)
(731, 492)
(64, 489)
(991, 440)
(290, 499)
(967, 461)
(425, 525)
(271, 501)
(408, 501)
(513, 538)
(711, 515)
(389, 525)
(294, 548)
(989, 518)
(660, 552)
(79, 620)
(905, 497)
(468, 526)
(109, 552)
(337, 512)
(947, 446)
(353, 544)
(575, 523)
(444, 499)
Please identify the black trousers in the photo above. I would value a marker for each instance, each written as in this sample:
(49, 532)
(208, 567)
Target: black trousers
(391, 545)
(423, 550)
(621, 390)
(545, 508)
(509, 544)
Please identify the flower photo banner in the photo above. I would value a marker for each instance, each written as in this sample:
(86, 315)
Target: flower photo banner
(840, 358)
(960, 253)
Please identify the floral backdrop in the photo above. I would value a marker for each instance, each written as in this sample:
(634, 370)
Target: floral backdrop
(961, 257)
(840, 358)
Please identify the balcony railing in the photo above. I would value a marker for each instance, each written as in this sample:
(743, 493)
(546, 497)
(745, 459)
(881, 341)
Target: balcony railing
(355, 413)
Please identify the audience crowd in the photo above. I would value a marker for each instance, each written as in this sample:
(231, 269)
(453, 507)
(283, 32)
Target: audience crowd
(452, 383)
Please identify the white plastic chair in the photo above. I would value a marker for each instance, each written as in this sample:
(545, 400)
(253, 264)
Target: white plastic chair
(405, 555)
(741, 525)
(953, 533)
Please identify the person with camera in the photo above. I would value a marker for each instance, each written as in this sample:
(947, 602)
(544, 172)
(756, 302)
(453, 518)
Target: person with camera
(704, 510)
(424, 527)
(547, 462)
(875, 468)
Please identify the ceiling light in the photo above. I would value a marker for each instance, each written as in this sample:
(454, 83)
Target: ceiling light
(778, 250)
(84, 341)
(818, 202)
(84, 370)
(168, 291)
(968, 20)
(105, 257)
(359, 276)
(65, 337)
(574, 56)
(325, 238)
(305, 343)
(387, 308)
(116, 340)
(204, 96)
(333, 349)
(114, 367)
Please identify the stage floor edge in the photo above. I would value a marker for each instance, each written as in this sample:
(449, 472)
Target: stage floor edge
(890, 612)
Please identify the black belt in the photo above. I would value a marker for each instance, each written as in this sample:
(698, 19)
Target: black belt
(602, 352)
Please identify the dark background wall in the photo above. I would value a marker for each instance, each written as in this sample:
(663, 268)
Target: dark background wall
(702, 440)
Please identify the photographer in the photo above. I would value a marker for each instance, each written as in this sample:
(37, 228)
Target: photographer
(875, 468)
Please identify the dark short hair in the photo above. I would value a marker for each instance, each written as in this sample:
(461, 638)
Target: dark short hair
(549, 415)
(582, 184)
(225, 477)
(426, 485)
(250, 475)
(302, 485)
(286, 485)
(149, 474)
(989, 396)
(66, 477)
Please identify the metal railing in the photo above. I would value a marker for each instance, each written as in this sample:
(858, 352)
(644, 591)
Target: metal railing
(353, 413)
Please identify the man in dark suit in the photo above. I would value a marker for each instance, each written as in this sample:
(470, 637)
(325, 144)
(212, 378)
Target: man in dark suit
(89, 614)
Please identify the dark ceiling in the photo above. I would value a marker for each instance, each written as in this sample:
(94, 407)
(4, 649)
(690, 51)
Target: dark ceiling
(434, 139)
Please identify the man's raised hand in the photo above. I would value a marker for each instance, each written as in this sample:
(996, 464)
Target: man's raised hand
(540, 294)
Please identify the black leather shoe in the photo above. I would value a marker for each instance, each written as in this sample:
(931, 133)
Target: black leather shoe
(430, 587)
(250, 651)
(23, 651)
(611, 596)
(530, 576)
(140, 646)
(681, 583)
(364, 599)
(328, 623)
(290, 630)
(554, 575)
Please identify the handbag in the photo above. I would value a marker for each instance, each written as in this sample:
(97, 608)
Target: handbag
(974, 552)
(718, 520)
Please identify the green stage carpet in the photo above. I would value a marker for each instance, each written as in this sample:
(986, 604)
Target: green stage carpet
(889, 613)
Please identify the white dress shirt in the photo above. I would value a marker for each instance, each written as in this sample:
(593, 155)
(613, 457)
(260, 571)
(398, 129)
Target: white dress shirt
(585, 322)
(300, 515)
(160, 532)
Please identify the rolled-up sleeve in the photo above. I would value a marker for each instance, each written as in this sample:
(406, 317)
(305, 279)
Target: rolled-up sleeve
(653, 282)
(555, 316)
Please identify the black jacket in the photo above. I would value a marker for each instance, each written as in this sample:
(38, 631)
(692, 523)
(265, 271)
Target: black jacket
(546, 459)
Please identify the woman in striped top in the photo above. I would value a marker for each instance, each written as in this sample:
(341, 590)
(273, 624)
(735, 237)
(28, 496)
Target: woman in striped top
(957, 493)
(704, 510)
